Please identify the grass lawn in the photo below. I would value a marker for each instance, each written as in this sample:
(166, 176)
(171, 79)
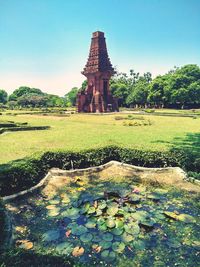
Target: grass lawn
(82, 131)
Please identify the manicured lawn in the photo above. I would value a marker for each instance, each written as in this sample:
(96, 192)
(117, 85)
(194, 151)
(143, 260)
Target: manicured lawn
(82, 131)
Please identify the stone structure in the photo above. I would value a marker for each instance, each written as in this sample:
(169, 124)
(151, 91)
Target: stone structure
(98, 71)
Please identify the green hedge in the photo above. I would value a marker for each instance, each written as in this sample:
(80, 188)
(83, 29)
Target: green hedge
(24, 128)
(2, 225)
(22, 174)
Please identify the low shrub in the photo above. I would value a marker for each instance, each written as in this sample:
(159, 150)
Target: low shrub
(2, 225)
(23, 128)
(137, 123)
(22, 174)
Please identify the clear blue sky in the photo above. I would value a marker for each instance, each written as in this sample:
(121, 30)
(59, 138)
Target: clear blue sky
(45, 43)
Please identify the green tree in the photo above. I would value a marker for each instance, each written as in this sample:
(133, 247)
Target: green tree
(3, 96)
(71, 97)
(139, 93)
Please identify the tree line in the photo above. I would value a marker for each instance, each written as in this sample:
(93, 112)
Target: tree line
(179, 88)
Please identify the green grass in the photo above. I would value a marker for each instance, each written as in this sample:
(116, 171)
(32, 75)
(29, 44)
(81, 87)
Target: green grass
(81, 131)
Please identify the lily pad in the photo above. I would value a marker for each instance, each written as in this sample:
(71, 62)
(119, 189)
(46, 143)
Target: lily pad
(107, 237)
(79, 230)
(132, 228)
(72, 213)
(153, 196)
(139, 244)
(126, 238)
(64, 248)
(117, 231)
(140, 215)
(102, 204)
(173, 243)
(51, 235)
(119, 223)
(148, 222)
(87, 237)
(54, 201)
(78, 251)
(108, 256)
(24, 244)
(91, 210)
(118, 247)
(85, 208)
(105, 244)
(186, 218)
(112, 209)
(90, 224)
(53, 212)
(110, 222)
(102, 227)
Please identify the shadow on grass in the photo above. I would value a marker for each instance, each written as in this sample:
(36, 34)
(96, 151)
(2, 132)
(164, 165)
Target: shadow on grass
(187, 149)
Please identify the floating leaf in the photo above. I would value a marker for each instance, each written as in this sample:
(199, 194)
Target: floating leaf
(91, 210)
(78, 251)
(102, 204)
(132, 228)
(64, 248)
(102, 227)
(24, 244)
(119, 223)
(67, 234)
(87, 237)
(54, 201)
(118, 247)
(53, 212)
(126, 238)
(21, 229)
(51, 235)
(171, 214)
(90, 224)
(139, 244)
(134, 198)
(107, 237)
(79, 230)
(51, 207)
(110, 222)
(105, 244)
(85, 208)
(96, 248)
(108, 256)
(72, 213)
(153, 196)
(148, 222)
(140, 215)
(112, 209)
(186, 218)
(98, 212)
(117, 231)
(173, 243)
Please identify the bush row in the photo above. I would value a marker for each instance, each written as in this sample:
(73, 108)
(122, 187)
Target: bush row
(26, 128)
(22, 174)
(2, 225)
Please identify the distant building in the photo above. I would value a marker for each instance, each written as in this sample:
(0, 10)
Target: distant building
(98, 70)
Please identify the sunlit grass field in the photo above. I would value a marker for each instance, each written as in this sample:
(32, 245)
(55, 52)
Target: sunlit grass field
(84, 131)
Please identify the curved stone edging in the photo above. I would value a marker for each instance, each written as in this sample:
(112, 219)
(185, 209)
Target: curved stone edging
(178, 176)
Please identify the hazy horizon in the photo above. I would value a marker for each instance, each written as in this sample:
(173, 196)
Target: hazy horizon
(45, 44)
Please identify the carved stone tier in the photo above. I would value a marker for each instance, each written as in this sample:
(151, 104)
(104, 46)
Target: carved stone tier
(98, 71)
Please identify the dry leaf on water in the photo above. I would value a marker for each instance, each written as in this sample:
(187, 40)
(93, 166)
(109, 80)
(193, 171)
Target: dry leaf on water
(78, 251)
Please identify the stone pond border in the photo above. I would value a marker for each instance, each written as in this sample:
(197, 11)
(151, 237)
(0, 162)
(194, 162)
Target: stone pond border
(178, 177)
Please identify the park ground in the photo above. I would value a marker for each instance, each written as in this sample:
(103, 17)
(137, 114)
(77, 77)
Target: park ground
(148, 131)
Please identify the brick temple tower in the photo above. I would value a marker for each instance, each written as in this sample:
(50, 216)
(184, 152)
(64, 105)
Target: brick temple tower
(98, 70)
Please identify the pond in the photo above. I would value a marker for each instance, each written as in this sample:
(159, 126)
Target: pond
(113, 222)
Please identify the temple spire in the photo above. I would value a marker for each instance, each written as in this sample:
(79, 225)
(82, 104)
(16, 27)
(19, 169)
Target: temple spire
(98, 70)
